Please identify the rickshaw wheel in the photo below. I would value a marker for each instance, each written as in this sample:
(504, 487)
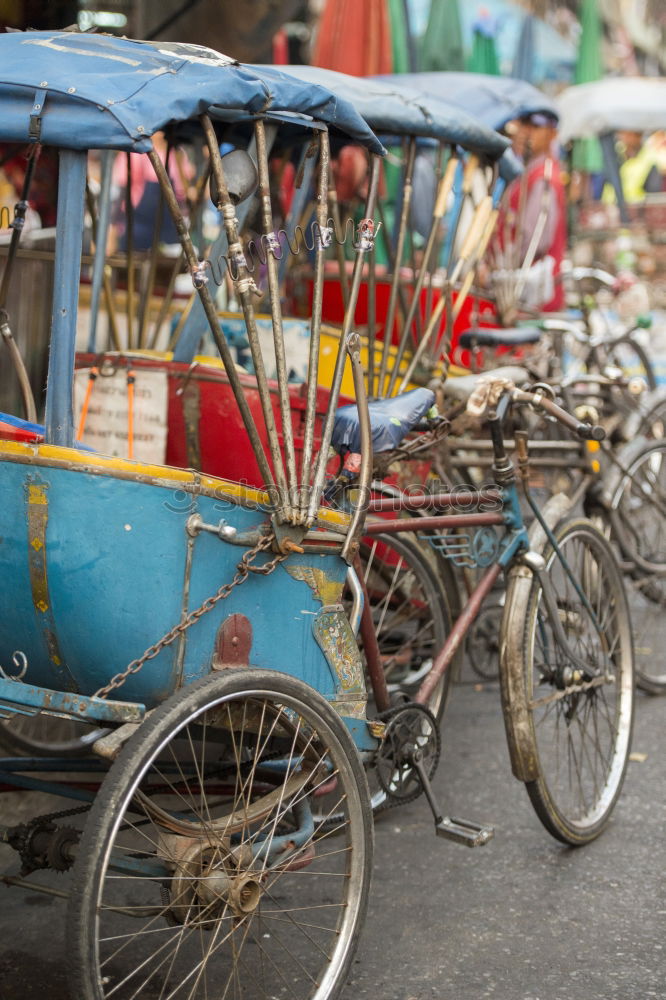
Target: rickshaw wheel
(249, 897)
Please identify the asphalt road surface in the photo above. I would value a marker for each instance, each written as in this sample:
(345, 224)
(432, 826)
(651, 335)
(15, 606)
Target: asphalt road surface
(523, 918)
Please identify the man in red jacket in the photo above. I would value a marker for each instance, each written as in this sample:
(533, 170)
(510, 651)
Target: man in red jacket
(532, 228)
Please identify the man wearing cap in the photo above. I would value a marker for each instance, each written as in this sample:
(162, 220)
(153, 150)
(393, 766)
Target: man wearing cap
(535, 220)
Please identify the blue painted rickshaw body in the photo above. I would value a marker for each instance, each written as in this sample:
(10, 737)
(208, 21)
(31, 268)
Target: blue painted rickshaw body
(94, 570)
(96, 562)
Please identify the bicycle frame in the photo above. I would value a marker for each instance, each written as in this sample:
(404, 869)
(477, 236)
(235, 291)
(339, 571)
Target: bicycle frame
(513, 541)
(484, 549)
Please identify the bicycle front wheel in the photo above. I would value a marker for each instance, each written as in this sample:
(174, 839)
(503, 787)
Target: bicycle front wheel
(569, 711)
(638, 503)
(201, 872)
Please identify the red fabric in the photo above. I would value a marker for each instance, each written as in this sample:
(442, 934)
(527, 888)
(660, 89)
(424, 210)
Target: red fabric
(354, 37)
(280, 48)
(558, 244)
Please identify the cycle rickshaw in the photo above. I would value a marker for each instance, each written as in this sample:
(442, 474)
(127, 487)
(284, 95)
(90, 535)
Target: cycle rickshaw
(227, 850)
(201, 861)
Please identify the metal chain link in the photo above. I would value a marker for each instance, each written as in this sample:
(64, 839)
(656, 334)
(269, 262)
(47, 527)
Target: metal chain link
(243, 570)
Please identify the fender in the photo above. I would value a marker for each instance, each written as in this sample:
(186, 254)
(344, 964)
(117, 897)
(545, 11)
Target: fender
(520, 579)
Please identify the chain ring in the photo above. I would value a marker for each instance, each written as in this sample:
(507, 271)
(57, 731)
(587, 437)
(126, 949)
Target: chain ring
(408, 727)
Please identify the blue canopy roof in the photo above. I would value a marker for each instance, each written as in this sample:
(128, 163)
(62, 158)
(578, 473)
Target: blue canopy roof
(494, 100)
(392, 106)
(98, 91)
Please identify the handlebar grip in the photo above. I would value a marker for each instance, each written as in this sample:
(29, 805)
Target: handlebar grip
(590, 432)
(583, 429)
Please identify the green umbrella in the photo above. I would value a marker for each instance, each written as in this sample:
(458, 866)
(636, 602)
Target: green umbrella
(589, 67)
(484, 54)
(442, 47)
(399, 37)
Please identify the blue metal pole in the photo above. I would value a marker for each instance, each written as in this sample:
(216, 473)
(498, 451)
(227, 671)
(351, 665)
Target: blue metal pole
(59, 419)
(100, 249)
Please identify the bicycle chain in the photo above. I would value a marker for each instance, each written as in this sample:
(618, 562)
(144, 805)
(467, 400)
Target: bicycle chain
(243, 570)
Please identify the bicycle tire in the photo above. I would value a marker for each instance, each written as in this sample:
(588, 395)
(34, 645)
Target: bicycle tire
(618, 353)
(152, 910)
(638, 505)
(640, 529)
(573, 788)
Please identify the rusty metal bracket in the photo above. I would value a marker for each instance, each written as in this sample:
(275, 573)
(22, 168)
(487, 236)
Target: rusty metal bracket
(233, 643)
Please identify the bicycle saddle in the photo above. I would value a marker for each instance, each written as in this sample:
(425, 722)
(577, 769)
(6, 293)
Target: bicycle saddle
(513, 336)
(461, 387)
(391, 420)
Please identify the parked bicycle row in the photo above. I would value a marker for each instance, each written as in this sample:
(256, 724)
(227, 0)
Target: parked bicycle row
(238, 587)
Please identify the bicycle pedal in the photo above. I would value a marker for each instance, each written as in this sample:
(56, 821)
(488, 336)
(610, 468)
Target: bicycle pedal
(463, 831)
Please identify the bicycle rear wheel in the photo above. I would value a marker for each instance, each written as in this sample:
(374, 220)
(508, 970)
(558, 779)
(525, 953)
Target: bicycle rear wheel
(410, 612)
(569, 719)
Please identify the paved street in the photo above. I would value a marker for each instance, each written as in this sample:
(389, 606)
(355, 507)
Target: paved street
(521, 919)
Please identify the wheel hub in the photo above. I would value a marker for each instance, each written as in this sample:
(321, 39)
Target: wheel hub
(211, 881)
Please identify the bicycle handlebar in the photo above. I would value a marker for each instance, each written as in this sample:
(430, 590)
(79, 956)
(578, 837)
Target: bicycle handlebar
(597, 273)
(582, 429)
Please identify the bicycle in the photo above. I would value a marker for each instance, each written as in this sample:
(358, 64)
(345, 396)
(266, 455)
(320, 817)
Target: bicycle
(566, 663)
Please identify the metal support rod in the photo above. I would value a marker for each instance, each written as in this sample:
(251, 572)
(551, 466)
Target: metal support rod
(478, 254)
(185, 347)
(17, 229)
(17, 226)
(147, 290)
(400, 247)
(373, 658)
(350, 547)
(129, 212)
(372, 318)
(339, 236)
(321, 219)
(243, 286)
(457, 634)
(435, 500)
(211, 315)
(166, 301)
(276, 319)
(443, 192)
(100, 234)
(474, 236)
(390, 252)
(439, 242)
(59, 417)
(177, 265)
(19, 368)
(439, 522)
(106, 284)
(327, 429)
(299, 205)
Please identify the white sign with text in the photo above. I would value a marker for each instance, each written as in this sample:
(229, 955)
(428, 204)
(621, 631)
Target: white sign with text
(107, 419)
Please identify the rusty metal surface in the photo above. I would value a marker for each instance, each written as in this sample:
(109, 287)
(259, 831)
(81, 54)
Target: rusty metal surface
(233, 643)
(191, 404)
(68, 703)
(427, 523)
